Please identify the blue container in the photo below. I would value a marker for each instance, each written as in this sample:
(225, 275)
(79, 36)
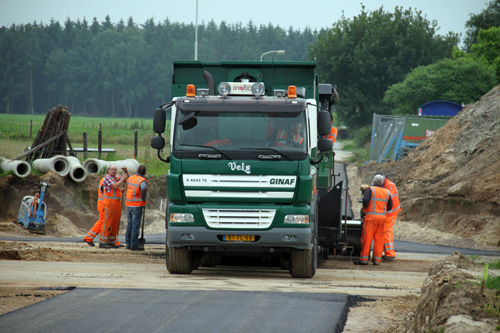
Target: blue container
(439, 108)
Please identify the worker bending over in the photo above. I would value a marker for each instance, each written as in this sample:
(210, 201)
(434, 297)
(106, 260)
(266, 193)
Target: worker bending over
(376, 202)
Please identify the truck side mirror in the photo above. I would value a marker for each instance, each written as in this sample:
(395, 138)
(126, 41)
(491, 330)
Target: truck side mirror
(158, 142)
(159, 120)
(324, 125)
(324, 145)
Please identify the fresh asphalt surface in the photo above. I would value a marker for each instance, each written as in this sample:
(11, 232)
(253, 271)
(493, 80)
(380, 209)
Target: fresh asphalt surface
(128, 310)
(143, 310)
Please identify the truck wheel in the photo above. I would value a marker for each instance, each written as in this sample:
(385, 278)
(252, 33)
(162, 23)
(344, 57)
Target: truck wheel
(179, 260)
(303, 263)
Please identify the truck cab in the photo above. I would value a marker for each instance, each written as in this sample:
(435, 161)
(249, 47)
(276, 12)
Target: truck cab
(247, 142)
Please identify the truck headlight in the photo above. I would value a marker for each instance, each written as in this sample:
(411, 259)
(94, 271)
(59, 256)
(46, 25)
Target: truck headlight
(181, 217)
(224, 89)
(258, 89)
(297, 219)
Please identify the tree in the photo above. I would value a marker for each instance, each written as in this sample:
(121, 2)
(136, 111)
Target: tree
(487, 48)
(123, 69)
(374, 50)
(490, 17)
(460, 80)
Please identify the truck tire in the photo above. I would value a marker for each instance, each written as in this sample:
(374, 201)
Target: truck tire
(179, 260)
(303, 263)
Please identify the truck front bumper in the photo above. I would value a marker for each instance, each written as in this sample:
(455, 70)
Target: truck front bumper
(264, 240)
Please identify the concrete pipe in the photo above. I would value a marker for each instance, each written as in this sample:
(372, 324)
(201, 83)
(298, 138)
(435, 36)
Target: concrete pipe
(58, 164)
(77, 172)
(19, 168)
(131, 164)
(93, 165)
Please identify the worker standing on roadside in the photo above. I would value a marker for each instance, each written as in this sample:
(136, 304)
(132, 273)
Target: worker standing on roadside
(376, 202)
(97, 227)
(391, 216)
(135, 200)
(112, 204)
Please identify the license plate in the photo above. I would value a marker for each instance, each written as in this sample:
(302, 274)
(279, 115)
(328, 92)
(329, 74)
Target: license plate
(239, 238)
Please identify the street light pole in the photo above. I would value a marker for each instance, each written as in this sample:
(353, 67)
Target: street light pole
(274, 51)
(196, 34)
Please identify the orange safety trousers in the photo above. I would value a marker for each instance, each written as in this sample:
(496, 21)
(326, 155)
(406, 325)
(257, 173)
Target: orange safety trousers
(388, 237)
(373, 229)
(111, 226)
(97, 228)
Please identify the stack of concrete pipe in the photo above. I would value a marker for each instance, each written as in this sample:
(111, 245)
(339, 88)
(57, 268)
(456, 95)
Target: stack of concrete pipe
(93, 165)
(18, 168)
(59, 164)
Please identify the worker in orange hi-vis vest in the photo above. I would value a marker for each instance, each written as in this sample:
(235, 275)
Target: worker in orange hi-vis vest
(97, 227)
(376, 202)
(392, 214)
(112, 194)
(291, 137)
(333, 132)
(135, 201)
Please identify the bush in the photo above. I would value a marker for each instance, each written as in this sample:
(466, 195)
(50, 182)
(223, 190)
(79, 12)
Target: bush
(362, 136)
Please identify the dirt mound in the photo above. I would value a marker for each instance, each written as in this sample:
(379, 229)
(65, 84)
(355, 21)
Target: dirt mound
(452, 301)
(451, 180)
(23, 251)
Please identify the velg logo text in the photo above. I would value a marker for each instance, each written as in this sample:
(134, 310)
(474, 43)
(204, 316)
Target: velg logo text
(239, 167)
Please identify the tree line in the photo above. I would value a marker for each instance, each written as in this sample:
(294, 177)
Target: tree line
(385, 62)
(123, 69)
(391, 62)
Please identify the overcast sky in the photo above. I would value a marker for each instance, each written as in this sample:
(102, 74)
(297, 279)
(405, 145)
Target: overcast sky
(450, 15)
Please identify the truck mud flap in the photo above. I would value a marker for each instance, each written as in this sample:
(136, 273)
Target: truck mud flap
(330, 215)
(354, 230)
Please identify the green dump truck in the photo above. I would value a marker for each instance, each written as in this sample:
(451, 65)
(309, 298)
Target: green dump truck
(248, 165)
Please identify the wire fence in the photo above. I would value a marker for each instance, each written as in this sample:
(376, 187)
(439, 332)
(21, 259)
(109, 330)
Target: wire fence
(102, 145)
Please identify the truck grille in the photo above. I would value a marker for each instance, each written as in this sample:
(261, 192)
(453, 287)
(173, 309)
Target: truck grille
(239, 218)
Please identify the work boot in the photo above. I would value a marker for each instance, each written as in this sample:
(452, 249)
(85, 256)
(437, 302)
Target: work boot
(89, 242)
(359, 262)
(376, 263)
(384, 257)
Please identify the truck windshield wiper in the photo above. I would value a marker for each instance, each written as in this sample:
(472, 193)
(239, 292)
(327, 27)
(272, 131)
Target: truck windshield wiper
(209, 155)
(262, 157)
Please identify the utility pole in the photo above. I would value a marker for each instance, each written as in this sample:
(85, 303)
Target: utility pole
(196, 34)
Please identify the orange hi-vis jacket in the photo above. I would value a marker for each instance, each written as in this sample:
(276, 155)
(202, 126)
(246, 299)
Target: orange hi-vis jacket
(333, 134)
(100, 191)
(133, 196)
(114, 194)
(391, 187)
(378, 202)
(282, 134)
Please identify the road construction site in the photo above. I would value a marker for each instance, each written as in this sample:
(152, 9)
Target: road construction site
(448, 188)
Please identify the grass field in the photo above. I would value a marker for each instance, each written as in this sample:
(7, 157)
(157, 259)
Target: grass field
(117, 133)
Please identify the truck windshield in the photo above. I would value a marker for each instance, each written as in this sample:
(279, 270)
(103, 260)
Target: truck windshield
(238, 131)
